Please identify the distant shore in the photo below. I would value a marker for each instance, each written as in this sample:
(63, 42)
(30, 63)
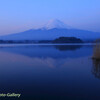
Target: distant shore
(61, 40)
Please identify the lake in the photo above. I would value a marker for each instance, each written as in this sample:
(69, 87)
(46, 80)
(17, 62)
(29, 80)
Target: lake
(49, 72)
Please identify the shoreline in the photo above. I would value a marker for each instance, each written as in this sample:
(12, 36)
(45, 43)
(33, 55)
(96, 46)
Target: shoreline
(36, 44)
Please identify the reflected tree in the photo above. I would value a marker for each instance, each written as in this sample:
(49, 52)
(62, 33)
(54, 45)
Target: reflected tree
(96, 68)
(96, 61)
(67, 47)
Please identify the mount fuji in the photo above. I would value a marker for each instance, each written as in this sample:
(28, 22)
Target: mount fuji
(55, 24)
(53, 29)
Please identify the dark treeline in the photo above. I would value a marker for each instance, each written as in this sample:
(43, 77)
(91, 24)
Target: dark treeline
(58, 40)
(17, 41)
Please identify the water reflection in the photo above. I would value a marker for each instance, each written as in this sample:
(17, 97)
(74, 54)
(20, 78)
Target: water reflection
(67, 47)
(96, 68)
(50, 51)
(46, 73)
(96, 61)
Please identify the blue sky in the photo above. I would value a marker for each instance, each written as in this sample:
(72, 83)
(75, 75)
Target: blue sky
(20, 15)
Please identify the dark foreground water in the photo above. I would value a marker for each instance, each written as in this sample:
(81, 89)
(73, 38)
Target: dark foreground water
(50, 72)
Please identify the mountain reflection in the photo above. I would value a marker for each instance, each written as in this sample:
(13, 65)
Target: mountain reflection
(44, 69)
(49, 51)
(67, 47)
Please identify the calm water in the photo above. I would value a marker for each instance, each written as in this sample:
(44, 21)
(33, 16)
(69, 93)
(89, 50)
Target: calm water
(50, 72)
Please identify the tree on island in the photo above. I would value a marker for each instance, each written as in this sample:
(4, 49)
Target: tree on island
(67, 40)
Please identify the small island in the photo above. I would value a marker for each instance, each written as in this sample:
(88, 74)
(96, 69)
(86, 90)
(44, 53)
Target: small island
(67, 40)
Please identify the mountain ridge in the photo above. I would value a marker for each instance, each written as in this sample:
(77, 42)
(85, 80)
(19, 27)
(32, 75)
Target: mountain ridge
(52, 33)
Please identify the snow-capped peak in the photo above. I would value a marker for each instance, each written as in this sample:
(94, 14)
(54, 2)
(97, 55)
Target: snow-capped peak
(55, 24)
